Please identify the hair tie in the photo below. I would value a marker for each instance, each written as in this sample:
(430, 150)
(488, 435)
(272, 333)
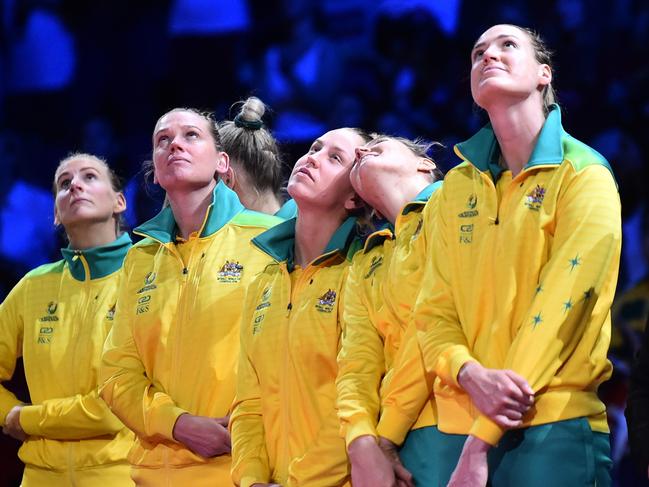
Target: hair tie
(248, 124)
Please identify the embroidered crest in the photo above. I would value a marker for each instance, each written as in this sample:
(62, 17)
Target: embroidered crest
(374, 264)
(230, 271)
(326, 302)
(265, 297)
(51, 307)
(535, 198)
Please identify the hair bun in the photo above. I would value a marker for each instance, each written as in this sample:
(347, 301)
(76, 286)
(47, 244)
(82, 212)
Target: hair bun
(250, 115)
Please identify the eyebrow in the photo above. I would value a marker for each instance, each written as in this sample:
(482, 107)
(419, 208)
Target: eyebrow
(66, 173)
(182, 126)
(480, 44)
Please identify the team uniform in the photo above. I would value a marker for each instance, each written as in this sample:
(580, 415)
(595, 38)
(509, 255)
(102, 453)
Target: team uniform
(174, 346)
(284, 424)
(57, 318)
(521, 275)
(375, 320)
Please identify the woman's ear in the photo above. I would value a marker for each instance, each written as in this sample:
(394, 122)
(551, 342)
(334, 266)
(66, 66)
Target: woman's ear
(57, 220)
(222, 164)
(120, 203)
(426, 165)
(545, 75)
(354, 202)
(230, 178)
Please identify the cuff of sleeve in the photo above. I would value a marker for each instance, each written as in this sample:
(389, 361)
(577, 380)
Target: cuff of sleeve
(394, 425)
(164, 420)
(30, 419)
(487, 430)
(359, 427)
(450, 363)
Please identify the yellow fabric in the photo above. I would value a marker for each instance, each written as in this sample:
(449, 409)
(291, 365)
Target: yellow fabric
(215, 473)
(375, 319)
(114, 475)
(58, 324)
(521, 276)
(284, 424)
(174, 346)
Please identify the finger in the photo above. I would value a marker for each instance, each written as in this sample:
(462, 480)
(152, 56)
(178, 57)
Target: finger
(403, 476)
(520, 382)
(506, 423)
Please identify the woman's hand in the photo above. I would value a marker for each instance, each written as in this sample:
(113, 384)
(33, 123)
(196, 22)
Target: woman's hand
(208, 437)
(472, 469)
(502, 395)
(12, 424)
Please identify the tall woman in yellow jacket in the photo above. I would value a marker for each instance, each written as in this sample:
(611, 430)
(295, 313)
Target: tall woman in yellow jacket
(284, 425)
(514, 311)
(57, 317)
(397, 178)
(169, 363)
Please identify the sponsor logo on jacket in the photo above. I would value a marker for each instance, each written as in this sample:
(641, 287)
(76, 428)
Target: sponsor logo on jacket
(46, 331)
(374, 264)
(148, 283)
(471, 204)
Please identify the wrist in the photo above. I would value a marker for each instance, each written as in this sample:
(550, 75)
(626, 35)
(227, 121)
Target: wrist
(475, 445)
(360, 444)
(467, 374)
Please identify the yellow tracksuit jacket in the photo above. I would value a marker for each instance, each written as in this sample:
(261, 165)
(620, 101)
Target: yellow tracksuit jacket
(374, 331)
(521, 276)
(57, 317)
(175, 340)
(284, 424)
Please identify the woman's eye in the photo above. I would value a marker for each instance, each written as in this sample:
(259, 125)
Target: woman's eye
(477, 54)
(336, 158)
(163, 139)
(192, 134)
(509, 44)
(64, 184)
(91, 176)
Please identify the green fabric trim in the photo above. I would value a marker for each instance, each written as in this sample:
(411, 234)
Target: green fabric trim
(483, 151)
(377, 239)
(279, 241)
(49, 268)
(255, 219)
(102, 261)
(163, 228)
(422, 197)
(582, 156)
(288, 210)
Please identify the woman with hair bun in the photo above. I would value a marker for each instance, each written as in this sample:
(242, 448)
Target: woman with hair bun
(255, 172)
(169, 364)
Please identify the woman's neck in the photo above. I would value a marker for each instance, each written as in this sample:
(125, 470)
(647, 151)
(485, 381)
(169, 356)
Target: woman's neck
(264, 201)
(313, 231)
(86, 236)
(189, 208)
(391, 198)
(517, 128)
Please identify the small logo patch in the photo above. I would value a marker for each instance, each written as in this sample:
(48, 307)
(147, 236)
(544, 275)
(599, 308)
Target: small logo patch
(466, 234)
(471, 204)
(374, 264)
(326, 302)
(535, 198)
(230, 271)
(51, 312)
(111, 313)
(148, 283)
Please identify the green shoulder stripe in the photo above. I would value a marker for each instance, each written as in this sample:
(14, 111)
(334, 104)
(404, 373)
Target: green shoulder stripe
(255, 219)
(51, 268)
(581, 156)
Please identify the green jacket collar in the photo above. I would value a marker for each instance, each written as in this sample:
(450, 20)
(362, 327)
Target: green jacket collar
(102, 260)
(482, 150)
(225, 205)
(422, 197)
(288, 210)
(279, 241)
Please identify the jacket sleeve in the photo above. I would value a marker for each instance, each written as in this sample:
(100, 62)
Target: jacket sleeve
(361, 362)
(11, 344)
(70, 418)
(407, 392)
(637, 406)
(325, 463)
(141, 404)
(439, 331)
(576, 285)
(250, 462)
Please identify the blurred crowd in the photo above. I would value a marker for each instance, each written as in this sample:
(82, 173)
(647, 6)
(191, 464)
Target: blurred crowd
(94, 76)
